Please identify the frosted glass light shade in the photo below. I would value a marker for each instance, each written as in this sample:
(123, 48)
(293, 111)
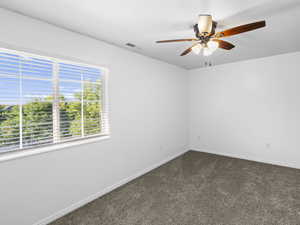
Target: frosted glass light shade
(207, 51)
(205, 23)
(197, 48)
(213, 45)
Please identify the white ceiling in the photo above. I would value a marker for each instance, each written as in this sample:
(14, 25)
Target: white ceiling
(142, 22)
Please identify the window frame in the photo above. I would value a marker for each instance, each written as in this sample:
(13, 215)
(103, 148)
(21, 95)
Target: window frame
(19, 153)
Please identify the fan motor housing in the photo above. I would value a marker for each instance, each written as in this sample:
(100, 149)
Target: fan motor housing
(202, 35)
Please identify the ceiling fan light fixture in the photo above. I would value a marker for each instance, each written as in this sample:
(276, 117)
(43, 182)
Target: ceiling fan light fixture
(208, 40)
(213, 45)
(197, 49)
(207, 51)
(205, 23)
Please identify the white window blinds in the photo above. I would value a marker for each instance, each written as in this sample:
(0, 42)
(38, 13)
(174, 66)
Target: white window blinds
(45, 101)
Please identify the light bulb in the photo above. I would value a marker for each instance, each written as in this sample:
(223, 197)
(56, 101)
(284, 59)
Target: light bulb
(197, 48)
(207, 51)
(213, 45)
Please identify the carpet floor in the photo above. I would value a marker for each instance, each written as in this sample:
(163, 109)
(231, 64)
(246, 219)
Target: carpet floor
(199, 188)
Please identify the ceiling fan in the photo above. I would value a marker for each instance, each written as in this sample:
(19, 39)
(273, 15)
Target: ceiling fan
(208, 40)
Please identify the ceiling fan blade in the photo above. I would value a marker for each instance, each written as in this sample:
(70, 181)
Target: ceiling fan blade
(241, 29)
(177, 40)
(224, 44)
(187, 51)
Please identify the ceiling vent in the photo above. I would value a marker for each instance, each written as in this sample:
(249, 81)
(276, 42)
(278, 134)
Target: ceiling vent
(130, 45)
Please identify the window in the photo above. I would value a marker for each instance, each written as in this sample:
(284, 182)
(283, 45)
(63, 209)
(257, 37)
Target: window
(46, 101)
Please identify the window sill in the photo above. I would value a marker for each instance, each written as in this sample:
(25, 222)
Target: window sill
(29, 152)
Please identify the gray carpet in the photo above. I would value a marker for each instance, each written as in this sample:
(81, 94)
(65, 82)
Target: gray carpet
(199, 188)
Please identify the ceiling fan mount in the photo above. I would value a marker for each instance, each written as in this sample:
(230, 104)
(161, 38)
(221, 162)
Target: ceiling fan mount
(208, 40)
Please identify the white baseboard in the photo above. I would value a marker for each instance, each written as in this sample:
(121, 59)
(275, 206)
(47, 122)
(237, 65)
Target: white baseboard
(92, 197)
(273, 162)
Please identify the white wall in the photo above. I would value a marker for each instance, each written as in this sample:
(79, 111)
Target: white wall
(148, 123)
(248, 109)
